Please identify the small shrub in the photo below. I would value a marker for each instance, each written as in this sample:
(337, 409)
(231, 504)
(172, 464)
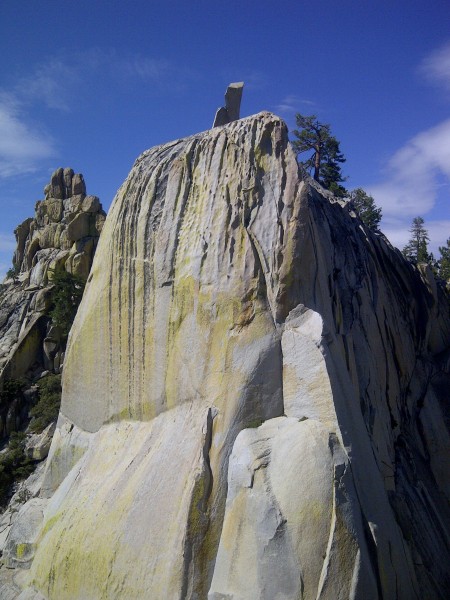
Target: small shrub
(13, 273)
(66, 296)
(46, 408)
(12, 389)
(24, 495)
(14, 465)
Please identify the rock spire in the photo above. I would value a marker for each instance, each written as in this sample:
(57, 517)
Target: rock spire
(230, 112)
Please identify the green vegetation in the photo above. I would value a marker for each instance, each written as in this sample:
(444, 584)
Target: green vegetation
(444, 262)
(366, 208)
(13, 273)
(14, 465)
(326, 158)
(66, 296)
(416, 250)
(11, 389)
(45, 411)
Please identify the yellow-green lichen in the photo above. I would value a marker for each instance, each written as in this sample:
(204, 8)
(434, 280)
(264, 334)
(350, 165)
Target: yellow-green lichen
(21, 550)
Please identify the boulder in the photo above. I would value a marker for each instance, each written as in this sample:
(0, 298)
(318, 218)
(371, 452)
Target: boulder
(38, 444)
(78, 227)
(57, 184)
(99, 222)
(21, 232)
(91, 204)
(72, 206)
(78, 185)
(67, 177)
(21, 543)
(78, 264)
(53, 209)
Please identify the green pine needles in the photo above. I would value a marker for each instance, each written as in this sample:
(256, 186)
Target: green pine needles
(46, 409)
(325, 157)
(369, 213)
(66, 297)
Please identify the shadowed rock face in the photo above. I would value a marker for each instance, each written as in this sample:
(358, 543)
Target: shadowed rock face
(251, 399)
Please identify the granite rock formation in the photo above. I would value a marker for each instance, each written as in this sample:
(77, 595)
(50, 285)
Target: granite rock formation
(231, 111)
(253, 396)
(62, 235)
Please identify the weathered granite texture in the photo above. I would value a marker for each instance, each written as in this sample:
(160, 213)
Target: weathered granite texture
(63, 234)
(231, 111)
(251, 395)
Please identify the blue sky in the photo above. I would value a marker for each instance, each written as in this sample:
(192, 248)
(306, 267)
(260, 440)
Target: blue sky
(92, 84)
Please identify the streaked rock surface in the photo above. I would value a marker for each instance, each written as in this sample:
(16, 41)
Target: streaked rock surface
(252, 394)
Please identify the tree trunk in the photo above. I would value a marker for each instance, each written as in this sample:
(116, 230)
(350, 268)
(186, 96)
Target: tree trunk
(317, 163)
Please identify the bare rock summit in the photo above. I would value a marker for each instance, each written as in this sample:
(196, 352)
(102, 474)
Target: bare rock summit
(254, 394)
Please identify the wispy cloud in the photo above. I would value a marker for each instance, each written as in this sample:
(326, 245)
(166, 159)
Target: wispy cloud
(291, 104)
(22, 145)
(162, 74)
(436, 67)
(51, 84)
(141, 67)
(397, 231)
(415, 172)
(61, 81)
(60, 84)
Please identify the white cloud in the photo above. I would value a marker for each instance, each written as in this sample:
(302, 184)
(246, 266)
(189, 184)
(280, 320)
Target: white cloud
(414, 174)
(140, 67)
(418, 174)
(62, 80)
(50, 83)
(291, 103)
(22, 145)
(397, 231)
(58, 84)
(436, 67)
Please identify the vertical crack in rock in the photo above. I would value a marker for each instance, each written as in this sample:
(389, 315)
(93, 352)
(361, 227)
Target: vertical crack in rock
(195, 554)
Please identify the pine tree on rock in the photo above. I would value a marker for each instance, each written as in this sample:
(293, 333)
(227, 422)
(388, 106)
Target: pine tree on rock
(324, 162)
(444, 261)
(66, 295)
(367, 210)
(416, 250)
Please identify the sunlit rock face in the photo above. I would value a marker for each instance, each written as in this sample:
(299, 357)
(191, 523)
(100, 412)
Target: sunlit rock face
(62, 235)
(251, 395)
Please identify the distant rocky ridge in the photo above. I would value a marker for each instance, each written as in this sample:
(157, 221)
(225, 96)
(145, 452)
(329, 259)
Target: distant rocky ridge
(63, 234)
(64, 231)
(254, 397)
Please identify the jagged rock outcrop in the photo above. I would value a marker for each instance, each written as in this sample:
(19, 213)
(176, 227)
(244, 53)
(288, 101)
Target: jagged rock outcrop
(64, 231)
(251, 395)
(62, 235)
(231, 111)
